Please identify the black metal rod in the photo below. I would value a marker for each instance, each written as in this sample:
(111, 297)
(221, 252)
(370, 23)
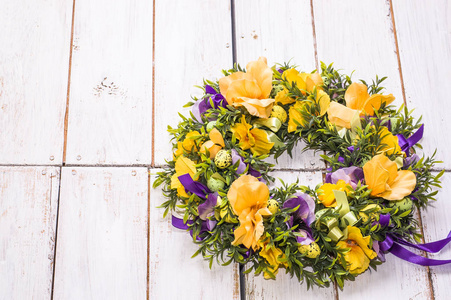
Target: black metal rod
(242, 283)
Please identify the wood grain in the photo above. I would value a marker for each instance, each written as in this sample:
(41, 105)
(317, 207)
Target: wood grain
(110, 112)
(288, 38)
(285, 287)
(173, 273)
(28, 208)
(34, 61)
(102, 234)
(193, 41)
(437, 225)
(358, 35)
(424, 45)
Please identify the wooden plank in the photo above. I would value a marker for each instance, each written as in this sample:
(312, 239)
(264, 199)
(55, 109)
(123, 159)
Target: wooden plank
(34, 64)
(285, 287)
(437, 225)
(173, 273)
(291, 37)
(363, 41)
(423, 37)
(193, 41)
(102, 234)
(110, 113)
(28, 208)
(358, 35)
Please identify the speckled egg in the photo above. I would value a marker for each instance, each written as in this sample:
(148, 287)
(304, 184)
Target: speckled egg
(403, 205)
(273, 206)
(215, 184)
(279, 113)
(311, 251)
(223, 159)
(211, 125)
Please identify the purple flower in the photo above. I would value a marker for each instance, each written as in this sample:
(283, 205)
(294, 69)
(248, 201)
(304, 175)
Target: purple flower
(410, 160)
(201, 106)
(208, 206)
(304, 216)
(242, 166)
(351, 175)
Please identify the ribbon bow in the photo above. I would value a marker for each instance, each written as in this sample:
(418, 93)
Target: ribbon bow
(406, 144)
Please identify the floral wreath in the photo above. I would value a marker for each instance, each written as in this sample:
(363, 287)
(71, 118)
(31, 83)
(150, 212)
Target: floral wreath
(216, 185)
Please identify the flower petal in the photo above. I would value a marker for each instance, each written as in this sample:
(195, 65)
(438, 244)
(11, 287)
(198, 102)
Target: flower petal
(256, 107)
(356, 95)
(340, 115)
(262, 74)
(226, 81)
(401, 187)
(374, 102)
(216, 137)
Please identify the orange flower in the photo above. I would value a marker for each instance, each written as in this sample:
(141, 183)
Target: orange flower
(189, 143)
(248, 198)
(358, 101)
(385, 181)
(359, 255)
(255, 139)
(183, 166)
(215, 143)
(326, 192)
(250, 89)
(304, 82)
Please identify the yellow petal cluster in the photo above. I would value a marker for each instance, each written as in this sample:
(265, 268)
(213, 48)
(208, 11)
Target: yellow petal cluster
(254, 139)
(326, 192)
(359, 255)
(357, 101)
(215, 143)
(250, 89)
(296, 111)
(183, 165)
(248, 198)
(272, 255)
(304, 82)
(385, 181)
(390, 141)
(189, 144)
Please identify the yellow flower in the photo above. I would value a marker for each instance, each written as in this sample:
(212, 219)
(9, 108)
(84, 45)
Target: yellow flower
(255, 139)
(296, 111)
(183, 166)
(359, 255)
(272, 255)
(248, 198)
(250, 89)
(357, 101)
(390, 141)
(304, 82)
(385, 181)
(215, 143)
(189, 143)
(326, 192)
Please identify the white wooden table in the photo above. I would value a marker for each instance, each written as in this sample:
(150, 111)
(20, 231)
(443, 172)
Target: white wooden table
(87, 89)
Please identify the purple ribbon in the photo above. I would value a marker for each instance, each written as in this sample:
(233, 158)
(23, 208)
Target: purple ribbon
(406, 144)
(178, 223)
(384, 220)
(393, 244)
(193, 186)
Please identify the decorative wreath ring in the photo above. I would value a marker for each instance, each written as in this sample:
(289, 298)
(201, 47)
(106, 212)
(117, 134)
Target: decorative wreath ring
(217, 182)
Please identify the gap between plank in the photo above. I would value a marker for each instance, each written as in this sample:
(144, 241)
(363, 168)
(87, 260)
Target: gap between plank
(56, 227)
(152, 162)
(66, 114)
(148, 232)
(314, 35)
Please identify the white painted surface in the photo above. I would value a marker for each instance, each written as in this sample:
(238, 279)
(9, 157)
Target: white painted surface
(28, 208)
(34, 63)
(110, 113)
(102, 234)
(173, 273)
(437, 225)
(289, 37)
(357, 35)
(285, 287)
(193, 41)
(424, 45)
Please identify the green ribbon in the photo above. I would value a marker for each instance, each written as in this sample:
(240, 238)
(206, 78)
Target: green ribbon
(331, 223)
(273, 124)
(347, 217)
(274, 139)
